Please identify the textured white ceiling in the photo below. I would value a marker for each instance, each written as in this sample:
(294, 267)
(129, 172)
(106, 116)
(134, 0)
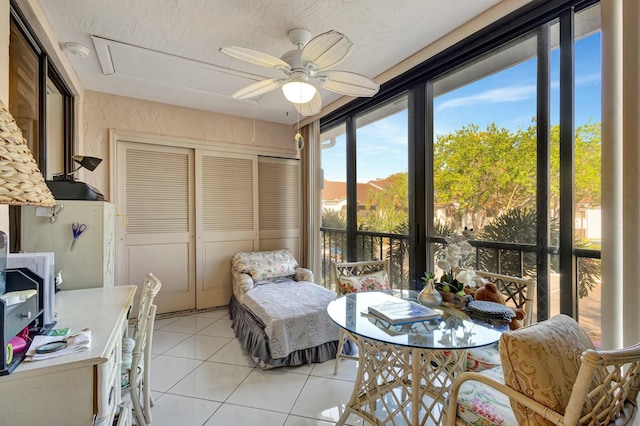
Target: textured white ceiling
(178, 35)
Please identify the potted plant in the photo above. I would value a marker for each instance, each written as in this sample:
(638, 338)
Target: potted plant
(456, 278)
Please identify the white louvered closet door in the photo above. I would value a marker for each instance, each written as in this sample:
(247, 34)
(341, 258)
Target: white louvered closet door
(226, 218)
(155, 193)
(279, 204)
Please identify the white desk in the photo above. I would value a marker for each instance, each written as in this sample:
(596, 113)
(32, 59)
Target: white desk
(78, 388)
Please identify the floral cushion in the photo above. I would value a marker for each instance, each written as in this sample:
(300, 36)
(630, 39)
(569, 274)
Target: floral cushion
(483, 358)
(263, 265)
(243, 281)
(303, 274)
(127, 349)
(375, 281)
(478, 359)
(481, 405)
(542, 361)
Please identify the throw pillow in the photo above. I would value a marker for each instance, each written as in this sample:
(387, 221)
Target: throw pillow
(375, 281)
(542, 361)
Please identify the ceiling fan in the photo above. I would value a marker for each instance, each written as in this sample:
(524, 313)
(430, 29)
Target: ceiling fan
(305, 68)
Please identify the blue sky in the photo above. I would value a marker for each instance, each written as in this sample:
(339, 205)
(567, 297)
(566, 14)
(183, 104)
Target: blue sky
(507, 98)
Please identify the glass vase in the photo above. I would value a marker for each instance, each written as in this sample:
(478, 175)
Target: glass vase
(429, 296)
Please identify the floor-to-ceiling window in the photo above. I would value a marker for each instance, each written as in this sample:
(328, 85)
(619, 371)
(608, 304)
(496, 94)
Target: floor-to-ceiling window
(503, 138)
(375, 163)
(587, 199)
(333, 159)
(484, 153)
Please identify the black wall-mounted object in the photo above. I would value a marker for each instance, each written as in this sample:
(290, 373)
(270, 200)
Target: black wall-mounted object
(73, 190)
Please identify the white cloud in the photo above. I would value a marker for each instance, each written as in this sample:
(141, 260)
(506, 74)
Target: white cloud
(587, 79)
(580, 80)
(492, 96)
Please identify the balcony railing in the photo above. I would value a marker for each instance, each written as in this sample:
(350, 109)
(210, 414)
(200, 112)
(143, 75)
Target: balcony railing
(369, 246)
(515, 259)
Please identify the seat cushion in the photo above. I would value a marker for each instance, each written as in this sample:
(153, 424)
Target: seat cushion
(542, 361)
(479, 404)
(483, 358)
(375, 281)
(127, 348)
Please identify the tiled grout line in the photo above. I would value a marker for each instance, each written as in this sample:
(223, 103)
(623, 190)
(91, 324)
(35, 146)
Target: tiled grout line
(253, 369)
(207, 360)
(230, 393)
(298, 397)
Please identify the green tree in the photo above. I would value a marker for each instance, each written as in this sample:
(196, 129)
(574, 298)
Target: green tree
(333, 219)
(485, 171)
(519, 226)
(394, 194)
(588, 159)
(587, 143)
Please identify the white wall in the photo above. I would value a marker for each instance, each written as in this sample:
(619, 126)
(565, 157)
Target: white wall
(103, 111)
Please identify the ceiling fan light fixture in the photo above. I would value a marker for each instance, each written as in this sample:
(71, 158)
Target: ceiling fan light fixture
(298, 91)
(306, 69)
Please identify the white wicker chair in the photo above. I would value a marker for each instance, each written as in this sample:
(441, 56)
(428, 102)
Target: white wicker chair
(518, 294)
(349, 271)
(137, 394)
(604, 390)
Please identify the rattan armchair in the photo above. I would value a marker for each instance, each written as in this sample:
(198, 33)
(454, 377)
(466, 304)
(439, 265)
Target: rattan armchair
(346, 270)
(358, 276)
(600, 387)
(518, 293)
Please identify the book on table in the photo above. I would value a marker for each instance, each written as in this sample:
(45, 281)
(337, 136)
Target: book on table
(402, 312)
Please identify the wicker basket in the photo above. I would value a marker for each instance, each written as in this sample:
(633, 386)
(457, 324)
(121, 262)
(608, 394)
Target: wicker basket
(20, 180)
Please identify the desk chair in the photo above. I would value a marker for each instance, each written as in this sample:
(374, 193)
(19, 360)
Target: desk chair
(358, 276)
(136, 391)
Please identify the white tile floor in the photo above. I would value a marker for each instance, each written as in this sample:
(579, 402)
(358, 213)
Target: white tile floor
(201, 376)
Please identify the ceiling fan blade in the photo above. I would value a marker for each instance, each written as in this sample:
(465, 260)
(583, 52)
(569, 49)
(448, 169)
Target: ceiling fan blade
(257, 89)
(255, 57)
(348, 83)
(312, 107)
(327, 50)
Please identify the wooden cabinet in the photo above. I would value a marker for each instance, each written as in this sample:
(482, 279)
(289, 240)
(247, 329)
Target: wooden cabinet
(188, 211)
(76, 389)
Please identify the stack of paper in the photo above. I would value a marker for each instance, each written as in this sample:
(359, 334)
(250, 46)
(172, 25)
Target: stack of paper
(15, 297)
(79, 343)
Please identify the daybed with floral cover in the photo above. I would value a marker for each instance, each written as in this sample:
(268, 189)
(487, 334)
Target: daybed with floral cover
(279, 314)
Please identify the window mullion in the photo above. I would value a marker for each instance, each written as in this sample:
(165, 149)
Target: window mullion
(42, 111)
(352, 202)
(568, 286)
(543, 175)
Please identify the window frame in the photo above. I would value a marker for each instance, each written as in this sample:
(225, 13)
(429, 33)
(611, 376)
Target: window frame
(47, 70)
(417, 82)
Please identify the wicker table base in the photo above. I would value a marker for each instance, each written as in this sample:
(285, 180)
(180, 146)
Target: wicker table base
(401, 385)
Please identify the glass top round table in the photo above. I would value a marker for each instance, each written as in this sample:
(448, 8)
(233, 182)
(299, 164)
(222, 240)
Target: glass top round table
(453, 329)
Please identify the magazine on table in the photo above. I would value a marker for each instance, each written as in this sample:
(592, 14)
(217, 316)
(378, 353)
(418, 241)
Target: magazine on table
(403, 312)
